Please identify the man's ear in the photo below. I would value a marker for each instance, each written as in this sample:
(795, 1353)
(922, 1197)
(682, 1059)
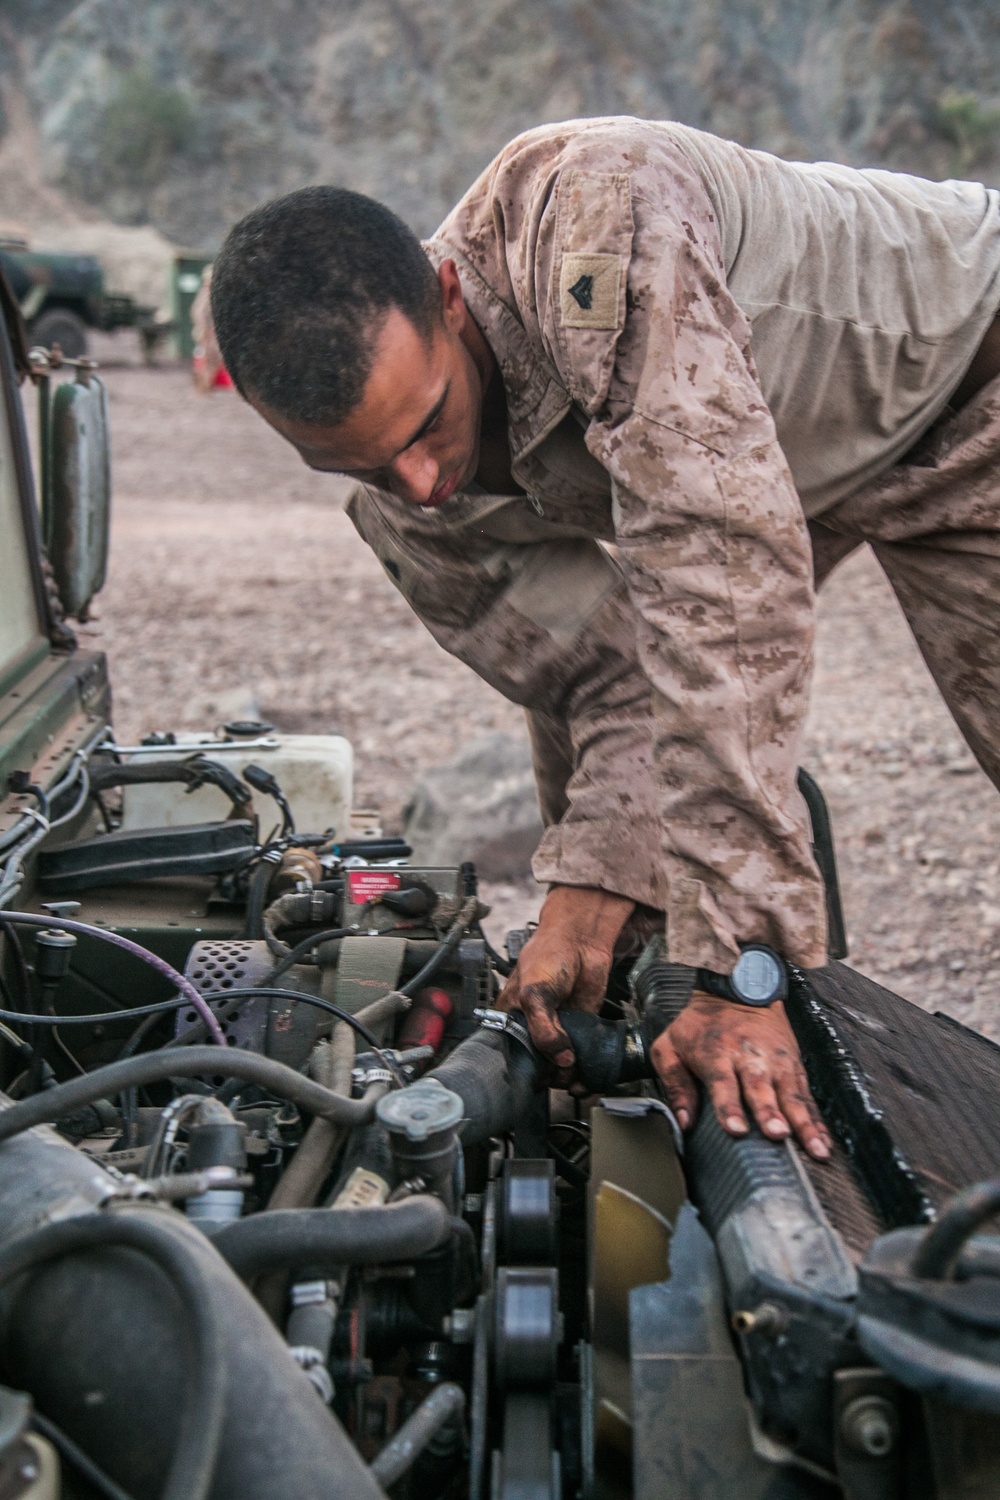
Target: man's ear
(453, 310)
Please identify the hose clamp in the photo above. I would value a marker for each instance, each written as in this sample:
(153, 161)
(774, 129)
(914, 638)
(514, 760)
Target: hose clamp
(365, 1077)
(505, 1021)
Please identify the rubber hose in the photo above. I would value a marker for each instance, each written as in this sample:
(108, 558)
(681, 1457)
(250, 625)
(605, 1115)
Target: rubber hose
(300, 1182)
(607, 1052)
(203, 1413)
(190, 1062)
(257, 888)
(382, 1010)
(401, 1452)
(326, 1237)
(663, 989)
(456, 932)
(495, 1077)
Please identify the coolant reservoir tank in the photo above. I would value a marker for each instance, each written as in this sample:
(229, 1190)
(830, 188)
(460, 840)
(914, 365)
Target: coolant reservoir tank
(315, 772)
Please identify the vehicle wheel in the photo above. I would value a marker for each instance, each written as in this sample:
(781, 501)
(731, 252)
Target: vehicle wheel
(62, 327)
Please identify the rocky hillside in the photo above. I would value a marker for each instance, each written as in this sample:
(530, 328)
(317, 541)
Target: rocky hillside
(185, 113)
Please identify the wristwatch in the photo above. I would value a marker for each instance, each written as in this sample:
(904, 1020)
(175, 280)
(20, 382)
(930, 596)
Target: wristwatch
(760, 977)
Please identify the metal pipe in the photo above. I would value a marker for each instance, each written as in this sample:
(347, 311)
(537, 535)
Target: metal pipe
(443, 1405)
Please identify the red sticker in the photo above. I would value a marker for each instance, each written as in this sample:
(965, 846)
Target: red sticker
(365, 885)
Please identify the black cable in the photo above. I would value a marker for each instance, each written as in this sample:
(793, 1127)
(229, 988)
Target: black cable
(63, 1099)
(502, 965)
(434, 963)
(203, 1404)
(258, 886)
(12, 936)
(273, 993)
(5, 994)
(197, 1030)
(141, 1031)
(76, 1456)
(33, 1038)
(307, 944)
(180, 1002)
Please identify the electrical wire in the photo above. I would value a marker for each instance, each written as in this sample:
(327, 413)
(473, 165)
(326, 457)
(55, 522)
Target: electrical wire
(34, 825)
(179, 1002)
(273, 992)
(101, 1018)
(307, 944)
(80, 1460)
(186, 988)
(164, 1065)
(79, 804)
(203, 1402)
(20, 962)
(456, 932)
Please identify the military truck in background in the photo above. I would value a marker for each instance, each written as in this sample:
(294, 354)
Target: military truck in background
(287, 1209)
(62, 296)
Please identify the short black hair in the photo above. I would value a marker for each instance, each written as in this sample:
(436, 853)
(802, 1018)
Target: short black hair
(300, 290)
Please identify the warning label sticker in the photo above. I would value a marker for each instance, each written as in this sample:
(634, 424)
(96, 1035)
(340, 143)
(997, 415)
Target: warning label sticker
(365, 885)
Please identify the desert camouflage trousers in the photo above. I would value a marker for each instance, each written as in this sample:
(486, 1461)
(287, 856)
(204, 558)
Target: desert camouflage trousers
(933, 522)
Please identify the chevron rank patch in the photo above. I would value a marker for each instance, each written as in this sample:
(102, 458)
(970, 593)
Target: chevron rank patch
(589, 287)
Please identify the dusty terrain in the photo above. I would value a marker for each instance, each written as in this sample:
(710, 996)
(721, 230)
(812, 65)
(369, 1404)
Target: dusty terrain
(237, 583)
(184, 115)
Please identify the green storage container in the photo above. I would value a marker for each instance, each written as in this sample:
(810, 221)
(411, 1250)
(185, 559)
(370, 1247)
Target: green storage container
(186, 283)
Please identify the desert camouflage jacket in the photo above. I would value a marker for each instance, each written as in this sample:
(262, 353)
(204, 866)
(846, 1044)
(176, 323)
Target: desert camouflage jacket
(649, 598)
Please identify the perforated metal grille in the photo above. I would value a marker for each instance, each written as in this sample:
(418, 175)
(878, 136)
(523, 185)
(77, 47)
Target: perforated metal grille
(219, 965)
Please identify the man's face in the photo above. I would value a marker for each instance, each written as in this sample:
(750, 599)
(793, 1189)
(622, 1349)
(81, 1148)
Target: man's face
(416, 430)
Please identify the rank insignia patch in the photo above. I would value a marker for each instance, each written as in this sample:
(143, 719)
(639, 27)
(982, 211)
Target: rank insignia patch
(582, 292)
(589, 291)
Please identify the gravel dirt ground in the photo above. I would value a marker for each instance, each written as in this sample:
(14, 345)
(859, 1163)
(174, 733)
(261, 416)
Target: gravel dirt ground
(237, 584)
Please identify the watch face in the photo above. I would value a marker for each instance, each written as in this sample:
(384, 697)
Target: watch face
(757, 976)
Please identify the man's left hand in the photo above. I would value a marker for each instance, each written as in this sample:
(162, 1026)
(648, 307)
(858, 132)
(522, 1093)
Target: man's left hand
(747, 1058)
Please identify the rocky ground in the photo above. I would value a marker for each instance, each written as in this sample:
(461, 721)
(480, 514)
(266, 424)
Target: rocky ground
(237, 583)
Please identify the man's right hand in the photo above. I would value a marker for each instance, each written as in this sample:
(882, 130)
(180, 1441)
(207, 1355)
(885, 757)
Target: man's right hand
(565, 965)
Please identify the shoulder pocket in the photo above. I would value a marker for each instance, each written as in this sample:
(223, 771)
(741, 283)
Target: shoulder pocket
(594, 246)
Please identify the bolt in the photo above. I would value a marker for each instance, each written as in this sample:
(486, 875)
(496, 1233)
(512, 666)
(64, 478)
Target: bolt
(767, 1319)
(868, 1425)
(459, 1325)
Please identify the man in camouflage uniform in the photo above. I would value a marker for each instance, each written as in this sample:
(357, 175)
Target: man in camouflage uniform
(654, 362)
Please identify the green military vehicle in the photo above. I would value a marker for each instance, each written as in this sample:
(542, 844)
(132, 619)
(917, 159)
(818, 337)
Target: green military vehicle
(62, 296)
(287, 1211)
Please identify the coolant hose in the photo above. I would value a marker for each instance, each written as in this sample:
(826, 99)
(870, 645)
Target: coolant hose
(495, 1074)
(201, 1419)
(446, 1403)
(189, 1062)
(608, 1052)
(326, 1237)
(496, 1078)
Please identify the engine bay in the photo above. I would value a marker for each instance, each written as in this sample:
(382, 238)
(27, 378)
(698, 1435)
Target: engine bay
(288, 1208)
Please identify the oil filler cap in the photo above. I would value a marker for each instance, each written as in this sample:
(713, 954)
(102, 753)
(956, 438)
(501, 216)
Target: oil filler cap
(424, 1109)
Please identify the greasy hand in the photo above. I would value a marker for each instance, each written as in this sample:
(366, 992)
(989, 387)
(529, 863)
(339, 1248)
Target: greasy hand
(565, 963)
(743, 1057)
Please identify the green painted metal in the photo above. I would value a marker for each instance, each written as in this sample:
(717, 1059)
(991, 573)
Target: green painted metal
(43, 703)
(185, 285)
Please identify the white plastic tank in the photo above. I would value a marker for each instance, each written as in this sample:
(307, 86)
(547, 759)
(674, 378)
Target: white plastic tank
(315, 772)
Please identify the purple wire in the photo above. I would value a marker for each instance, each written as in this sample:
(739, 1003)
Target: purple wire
(186, 988)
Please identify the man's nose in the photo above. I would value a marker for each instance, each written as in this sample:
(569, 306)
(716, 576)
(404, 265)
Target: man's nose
(414, 475)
